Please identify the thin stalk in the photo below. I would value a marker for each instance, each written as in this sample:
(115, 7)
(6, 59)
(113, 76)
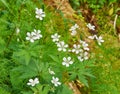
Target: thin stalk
(115, 22)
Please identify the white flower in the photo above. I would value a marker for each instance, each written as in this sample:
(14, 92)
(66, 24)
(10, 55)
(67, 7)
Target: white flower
(55, 37)
(33, 82)
(84, 45)
(83, 56)
(51, 72)
(37, 34)
(62, 46)
(17, 31)
(74, 32)
(39, 14)
(92, 37)
(33, 35)
(69, 50)
(76, 49)
(91, 27)
(80, 58)
(67, 61)
(76, 26)
(30, 36)
(99, 40)
(55, 81)
(73, 29)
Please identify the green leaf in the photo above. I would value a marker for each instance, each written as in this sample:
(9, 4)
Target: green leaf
(3, 91)
(5, 3)
(22, 56)
(26, 92)
(83, 79)
(2, 45)
(45, 90)
(65, 90)
(89, 74)
(54, 58)
(41, 89)
(111, 11)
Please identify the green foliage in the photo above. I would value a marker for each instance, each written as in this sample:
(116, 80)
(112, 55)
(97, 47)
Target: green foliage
(65, 90)
(3, 91)
(95, 5)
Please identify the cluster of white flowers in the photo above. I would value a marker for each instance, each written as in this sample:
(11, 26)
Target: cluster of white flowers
(39, 14)
(37, 33)
(90, 26)
(83, 55)
(60, 44)
(73, 29)
(54, 80)
(99, 39)
(33, 82)
(81, 50)
(34, 35)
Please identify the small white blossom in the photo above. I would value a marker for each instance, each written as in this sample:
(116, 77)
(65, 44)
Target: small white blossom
(37, 34)
(55, 37)
(62, 46)
(80, 58)
(33, 82)
(92, 37)
(99, 40)
(34, 35)
(67, 61)
(91, 27)
(51, 72)
(76, 49)
(76, 26)
(69, 50)
(30, 36)
(83, 56)
(55, 81)
(73, 29)
(17, 31)
(39, 14)
(84, 45)
(74, 32)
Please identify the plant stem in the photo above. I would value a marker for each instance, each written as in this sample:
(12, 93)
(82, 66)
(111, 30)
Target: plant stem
(115, 22)
(10, 39)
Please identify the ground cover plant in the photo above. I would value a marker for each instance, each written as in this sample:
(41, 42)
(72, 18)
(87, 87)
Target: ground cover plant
(44, 52)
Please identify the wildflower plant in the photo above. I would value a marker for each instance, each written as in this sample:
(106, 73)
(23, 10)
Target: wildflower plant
(43, 62)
